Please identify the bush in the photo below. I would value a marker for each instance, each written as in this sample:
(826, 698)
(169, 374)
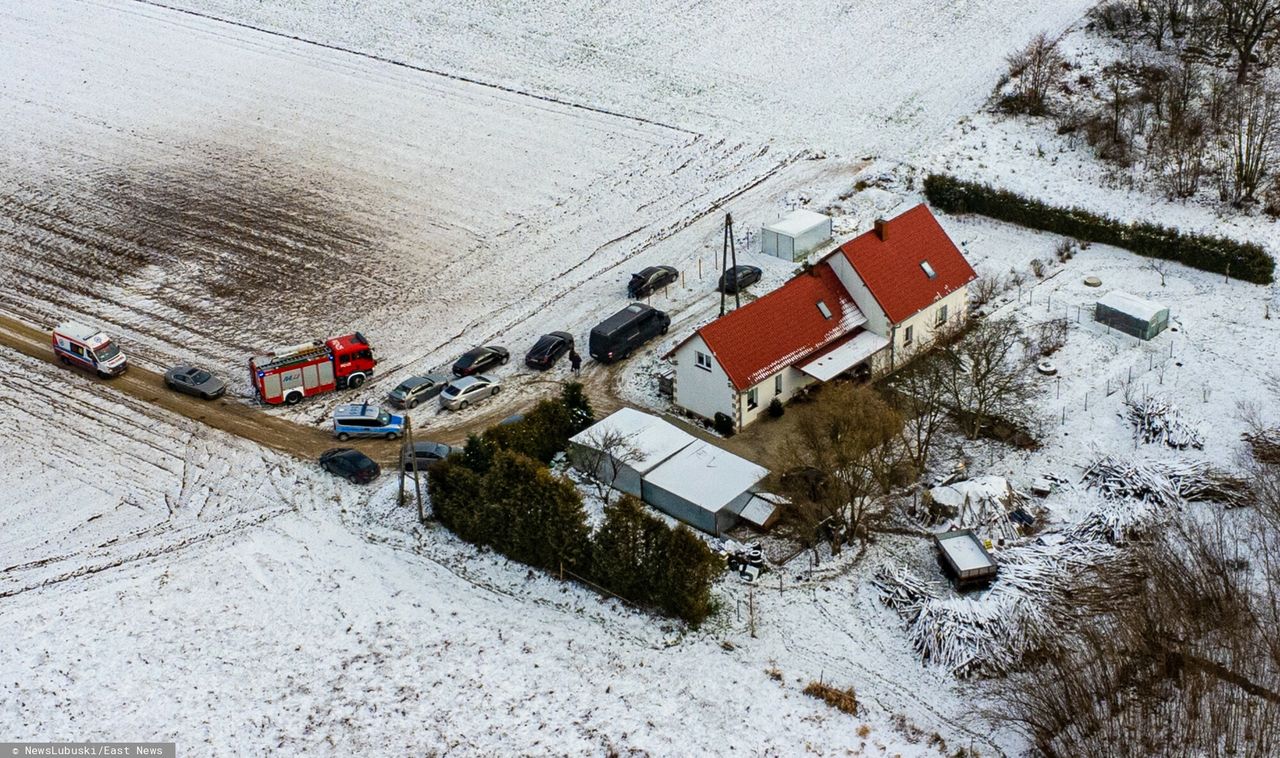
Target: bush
(545, 431)
(844, 700)
(724, 425)
(1246, 261)
(776, 408)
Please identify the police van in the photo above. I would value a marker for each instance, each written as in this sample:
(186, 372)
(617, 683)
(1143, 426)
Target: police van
(88, 348)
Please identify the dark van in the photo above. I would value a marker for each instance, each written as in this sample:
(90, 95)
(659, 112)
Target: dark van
(619, 335)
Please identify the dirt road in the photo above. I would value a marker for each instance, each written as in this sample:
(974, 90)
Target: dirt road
(234, 417)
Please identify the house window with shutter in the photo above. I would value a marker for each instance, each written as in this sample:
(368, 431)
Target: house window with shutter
(907, 335)
(702, 361)
(753, 398)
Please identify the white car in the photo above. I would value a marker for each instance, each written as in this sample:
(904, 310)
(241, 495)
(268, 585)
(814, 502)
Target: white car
(461, 393)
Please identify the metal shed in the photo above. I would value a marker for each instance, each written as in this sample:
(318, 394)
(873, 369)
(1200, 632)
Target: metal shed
(703, 486)
(1131, 314)
(640, 442)
(795, 235)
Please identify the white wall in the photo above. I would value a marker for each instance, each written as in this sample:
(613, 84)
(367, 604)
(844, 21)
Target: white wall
(925, 330)
(792, 381)
(701, 391)
(877, 321)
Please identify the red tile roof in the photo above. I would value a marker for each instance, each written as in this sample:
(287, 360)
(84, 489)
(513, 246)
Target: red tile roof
(891, 268)
(782, 327)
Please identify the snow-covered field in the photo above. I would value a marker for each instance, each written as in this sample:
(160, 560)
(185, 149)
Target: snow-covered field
(457, 175)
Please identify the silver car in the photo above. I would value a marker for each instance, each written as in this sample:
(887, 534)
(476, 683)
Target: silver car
(194, 381)
(461, 393)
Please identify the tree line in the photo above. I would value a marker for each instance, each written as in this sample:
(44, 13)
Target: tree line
(499, 493)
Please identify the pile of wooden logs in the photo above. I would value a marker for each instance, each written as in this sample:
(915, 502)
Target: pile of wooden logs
(1164, 484)
(1158, 420)
(1264, 444)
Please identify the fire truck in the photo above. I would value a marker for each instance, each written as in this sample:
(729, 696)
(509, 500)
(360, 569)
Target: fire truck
(292, 373)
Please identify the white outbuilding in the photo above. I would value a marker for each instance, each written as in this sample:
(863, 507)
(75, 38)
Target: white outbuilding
(624, 446)
(795, 235)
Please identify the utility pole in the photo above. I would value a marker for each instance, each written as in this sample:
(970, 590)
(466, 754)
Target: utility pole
(729, 257)
(406, 454)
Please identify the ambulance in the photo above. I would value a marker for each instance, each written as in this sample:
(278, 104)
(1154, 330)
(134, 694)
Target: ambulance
(79, 345)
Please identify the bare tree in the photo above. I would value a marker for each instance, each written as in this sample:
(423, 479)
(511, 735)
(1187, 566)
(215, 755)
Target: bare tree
(841, 457)
(1035, 69)
(1181, 139)
(603, 457)
(990, 377)
(1253, 123)
(920, 396)
(1244, 24)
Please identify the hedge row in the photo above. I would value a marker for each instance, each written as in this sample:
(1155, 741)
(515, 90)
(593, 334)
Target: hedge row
(498, 493)
(1246, 261)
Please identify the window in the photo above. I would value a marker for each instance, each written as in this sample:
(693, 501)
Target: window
(702, 361)
(942, 315)
(777, 384)
(824, 310)
(907, 334)
(753, 398)
(928, 270)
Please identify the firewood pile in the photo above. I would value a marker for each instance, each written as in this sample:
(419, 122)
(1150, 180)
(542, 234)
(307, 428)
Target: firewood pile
(1158, 420)
(1164, 484)
(988, 635)
(1264, 444)
(1117, 521)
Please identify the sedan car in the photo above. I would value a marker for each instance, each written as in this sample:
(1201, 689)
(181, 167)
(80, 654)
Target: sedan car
(416, 389)
(548, 349)
(480, 359)
(365, 420)
(352, 465)
(425, 453)
(738, 278)
(461, 393)
(194, 381)
(651, 280)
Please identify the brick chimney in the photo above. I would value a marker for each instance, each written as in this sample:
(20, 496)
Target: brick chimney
(882, 229)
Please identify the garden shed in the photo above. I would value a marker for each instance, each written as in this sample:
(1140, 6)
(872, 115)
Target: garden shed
(704, 486)
(1133, 315)
(795, 235)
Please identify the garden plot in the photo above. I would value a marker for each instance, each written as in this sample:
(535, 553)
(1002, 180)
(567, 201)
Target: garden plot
(207, 191)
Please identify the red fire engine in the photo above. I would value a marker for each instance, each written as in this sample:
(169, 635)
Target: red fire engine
(292, 373)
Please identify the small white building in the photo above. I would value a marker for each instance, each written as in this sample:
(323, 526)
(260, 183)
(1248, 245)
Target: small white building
(795, 235)
(864, 310)
(687, 478)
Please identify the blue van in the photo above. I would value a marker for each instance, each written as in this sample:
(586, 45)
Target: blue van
(366, 420)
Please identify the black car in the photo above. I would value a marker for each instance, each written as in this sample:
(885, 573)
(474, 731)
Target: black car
(619, 335)
(548, 349)
(416, 389)
(427, 454)
(738, 278)
(352, 465)
(480, 359)
(651, 280)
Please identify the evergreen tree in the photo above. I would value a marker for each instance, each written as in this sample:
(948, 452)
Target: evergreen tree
(581, 414)
(617, 550)
(690, 571)
(539, 517)
(478, 453)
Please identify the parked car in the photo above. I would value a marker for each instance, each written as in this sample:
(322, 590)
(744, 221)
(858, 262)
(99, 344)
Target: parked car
(738, 278)
(365, 420)
(651, 280)
(461, 393)
(619, 335)
(548, 349)
(514, 418)
(426, 453)
(417, 389)
(352, 465)
(479, 359)
(194, 381)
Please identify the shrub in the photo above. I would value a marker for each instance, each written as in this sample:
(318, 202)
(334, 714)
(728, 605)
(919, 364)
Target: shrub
(724, 425)
(776, 408)
(1246, 261)
(843, 700)
(1037, 268)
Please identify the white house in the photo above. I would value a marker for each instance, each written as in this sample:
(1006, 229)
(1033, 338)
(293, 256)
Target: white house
(863, 309)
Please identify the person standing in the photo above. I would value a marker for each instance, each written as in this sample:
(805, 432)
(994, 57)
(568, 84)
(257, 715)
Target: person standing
(575, 362)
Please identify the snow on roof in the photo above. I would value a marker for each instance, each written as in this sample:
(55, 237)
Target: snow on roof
(707, 476)
(798, 222)
(965, 551)
(782, 327)
(892, 267)
(844, 355)
(977, 490)
(1138, 307)
(78, 331)
(758, 511)
(652, 439)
